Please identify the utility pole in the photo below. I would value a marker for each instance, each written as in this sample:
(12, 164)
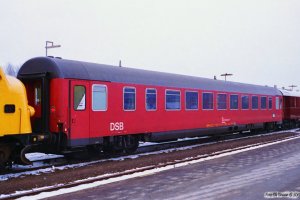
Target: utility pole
(50, 45)
(293, 86)
(226, 74)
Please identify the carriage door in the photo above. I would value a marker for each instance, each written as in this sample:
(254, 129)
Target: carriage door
(79, 112)
(37, 89)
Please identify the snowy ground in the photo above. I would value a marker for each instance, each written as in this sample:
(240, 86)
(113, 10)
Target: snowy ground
(41, 156)
(145, 173)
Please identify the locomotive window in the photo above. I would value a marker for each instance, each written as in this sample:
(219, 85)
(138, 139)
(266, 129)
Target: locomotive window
(245, 102)
(150, 99)
(263, 102)
(254, 102)
(222, 101)
(270, 103)
(99, 99)
(129, 98)
(234, 102)
(208, 101)
(191, 100)
(172, 100)
(9, 108)
(79, 97)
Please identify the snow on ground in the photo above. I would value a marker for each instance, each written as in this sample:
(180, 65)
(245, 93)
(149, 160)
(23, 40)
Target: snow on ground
(37, 159)
(41, 156)
(143, 144)
(139, 174)
(38, 156)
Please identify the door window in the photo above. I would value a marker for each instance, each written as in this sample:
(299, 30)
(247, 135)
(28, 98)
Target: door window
(37, 95)
(278, 103)
(79, 97)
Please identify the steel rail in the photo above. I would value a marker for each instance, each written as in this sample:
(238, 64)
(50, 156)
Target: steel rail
(129, 172)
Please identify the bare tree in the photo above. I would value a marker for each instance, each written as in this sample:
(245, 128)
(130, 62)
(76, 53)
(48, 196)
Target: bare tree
(11, 70)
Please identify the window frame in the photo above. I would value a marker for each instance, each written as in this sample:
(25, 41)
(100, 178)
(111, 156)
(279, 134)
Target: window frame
(185, 103)
(277, 103)
(237, 102)
(155, 99)
(261, 103)
(106, 91)
(225, 101)
(270, 97)
(245, 95)
(173, 90)
(212, 101)
(129, 87)
(252, 102)
(79, 102)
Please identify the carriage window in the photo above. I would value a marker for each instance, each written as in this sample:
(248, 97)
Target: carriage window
(79, 97)
(150, 99)
(245, 102)
(222, 101)
(208, 101)
(129, 98)
(99, 99)
(270, 103)
(234, 102)
(277, 103)
(172, 100)
(263, 102)
(254, 102)
(191, 100)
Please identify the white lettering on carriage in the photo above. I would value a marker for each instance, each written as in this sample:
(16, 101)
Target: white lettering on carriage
(116, 126)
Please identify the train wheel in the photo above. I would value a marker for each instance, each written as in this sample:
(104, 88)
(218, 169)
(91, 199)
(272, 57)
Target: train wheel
(120, 144)
(23, 158)
(131, 143)
(94, 150)
(5, 152)
(114, 146)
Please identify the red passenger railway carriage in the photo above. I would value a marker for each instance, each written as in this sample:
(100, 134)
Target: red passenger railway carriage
(86, 104)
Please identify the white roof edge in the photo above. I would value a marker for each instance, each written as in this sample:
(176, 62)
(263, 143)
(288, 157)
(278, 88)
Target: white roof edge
(289, 93)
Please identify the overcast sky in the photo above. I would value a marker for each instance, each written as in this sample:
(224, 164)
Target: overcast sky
(256, 40)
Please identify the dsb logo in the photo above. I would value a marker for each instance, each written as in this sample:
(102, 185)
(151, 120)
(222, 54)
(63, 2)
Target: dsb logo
(117, 126)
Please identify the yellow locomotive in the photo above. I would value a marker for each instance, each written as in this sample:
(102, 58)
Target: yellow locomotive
(15, 114)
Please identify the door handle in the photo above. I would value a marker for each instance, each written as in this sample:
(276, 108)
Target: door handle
(73, 120)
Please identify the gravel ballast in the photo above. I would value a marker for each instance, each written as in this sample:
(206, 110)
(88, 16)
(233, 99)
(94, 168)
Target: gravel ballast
(109, 167)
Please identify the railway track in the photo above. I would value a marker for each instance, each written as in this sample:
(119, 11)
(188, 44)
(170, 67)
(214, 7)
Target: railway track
(60, 163)
(147, 169)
